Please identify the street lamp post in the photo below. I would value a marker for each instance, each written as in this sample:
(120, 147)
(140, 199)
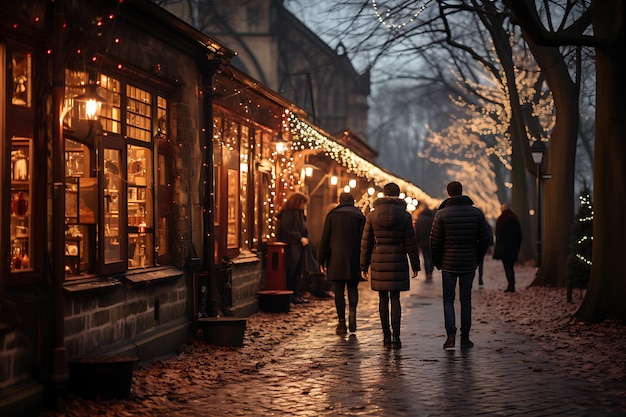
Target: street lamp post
(537, 150)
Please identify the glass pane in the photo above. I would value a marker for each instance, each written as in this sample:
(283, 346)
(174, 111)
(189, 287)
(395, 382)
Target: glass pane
(140, 250)
(138, 114)
(243, 184)
(112, 222)
(110, 114)
(74, 86)
(21, 209)
(22, 85)
(161, 126)
(233, 209)
(230, 153)
(140, 207)
(81, 208)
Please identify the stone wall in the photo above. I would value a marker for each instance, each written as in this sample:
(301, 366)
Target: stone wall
(245, 282)
(124, 317)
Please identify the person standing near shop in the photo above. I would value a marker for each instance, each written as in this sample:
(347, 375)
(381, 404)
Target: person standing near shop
(291, 229)
(339, 257)
(459, 240)
(508, 243)
(423, 224)
(387, 239)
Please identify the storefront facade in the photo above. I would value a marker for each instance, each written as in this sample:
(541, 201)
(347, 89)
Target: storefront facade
(101, 207)
(116, 218)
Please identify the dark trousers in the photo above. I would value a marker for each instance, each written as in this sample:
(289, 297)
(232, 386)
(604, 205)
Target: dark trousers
(293, 261)
(340, 299)
(428, 260)
(465, 296)
(509, 271)
(383, 309)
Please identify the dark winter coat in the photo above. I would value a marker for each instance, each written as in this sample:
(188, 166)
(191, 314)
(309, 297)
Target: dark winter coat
(341, 243)
(508, 236)
(290, 228)
(460, 235)
(423, 224)
(387, 239)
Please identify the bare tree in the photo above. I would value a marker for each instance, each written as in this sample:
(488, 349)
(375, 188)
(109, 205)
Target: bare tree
(606, 296)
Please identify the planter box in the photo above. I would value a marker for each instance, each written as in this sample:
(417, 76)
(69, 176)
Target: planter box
(223, 331)
(275, 301)
(105, 377)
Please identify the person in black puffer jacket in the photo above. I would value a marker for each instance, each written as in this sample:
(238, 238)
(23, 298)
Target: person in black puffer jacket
(387, 239)
(459, 240)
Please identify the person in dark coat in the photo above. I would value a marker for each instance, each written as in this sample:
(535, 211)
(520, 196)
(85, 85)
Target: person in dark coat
(387, 239)
(339, 257)
(481, 266)
(291, 229)
(459, 240)
(508, 243)
(423, 224)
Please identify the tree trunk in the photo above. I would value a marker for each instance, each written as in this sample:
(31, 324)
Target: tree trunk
(519, 201)
(559, 163)
(606, 296)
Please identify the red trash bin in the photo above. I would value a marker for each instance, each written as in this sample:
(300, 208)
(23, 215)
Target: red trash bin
(276, 272)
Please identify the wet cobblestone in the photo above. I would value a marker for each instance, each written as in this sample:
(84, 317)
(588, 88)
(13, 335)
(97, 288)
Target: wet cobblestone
(313, 372)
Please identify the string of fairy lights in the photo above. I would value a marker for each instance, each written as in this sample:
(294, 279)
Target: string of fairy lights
(386, 17)
(287, 178)
(303, 136)
(585, 201)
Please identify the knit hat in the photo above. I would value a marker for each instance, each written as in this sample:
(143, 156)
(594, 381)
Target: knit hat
(391, 190)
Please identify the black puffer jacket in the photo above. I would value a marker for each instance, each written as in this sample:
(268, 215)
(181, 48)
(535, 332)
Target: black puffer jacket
(460, 235)
(387, 239)
(341, 243)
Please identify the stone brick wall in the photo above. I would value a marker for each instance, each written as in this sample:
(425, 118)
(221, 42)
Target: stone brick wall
(100, 322)
(246, 280)
(15, 355)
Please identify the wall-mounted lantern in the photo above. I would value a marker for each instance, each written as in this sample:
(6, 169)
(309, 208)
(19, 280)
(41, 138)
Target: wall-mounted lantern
(89, 104)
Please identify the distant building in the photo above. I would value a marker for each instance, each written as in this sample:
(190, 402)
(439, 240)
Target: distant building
(274, 47)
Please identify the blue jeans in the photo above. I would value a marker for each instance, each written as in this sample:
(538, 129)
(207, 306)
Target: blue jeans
(465, 295)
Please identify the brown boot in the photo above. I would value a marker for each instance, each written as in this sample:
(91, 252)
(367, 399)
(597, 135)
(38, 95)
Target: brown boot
(341, 327)
(449, 343)
(352, 322)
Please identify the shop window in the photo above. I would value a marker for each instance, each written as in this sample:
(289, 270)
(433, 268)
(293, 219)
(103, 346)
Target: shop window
(81, 208)
(140, 207)
(231, 153)
(110, 115)
(243, 186)
(263, 195)
(22, 80)
(114, 221)
(21, 209)
(112, 200)
(138, 114)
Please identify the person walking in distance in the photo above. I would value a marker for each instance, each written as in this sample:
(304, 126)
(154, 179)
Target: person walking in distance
(423, 224)
(459, 240)
(291, 229)
(508, 243)
(339, 257)
(481, 266)
(387, 239)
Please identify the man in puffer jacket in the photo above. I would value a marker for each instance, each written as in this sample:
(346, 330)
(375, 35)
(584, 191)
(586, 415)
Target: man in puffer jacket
(459, 240)
(387, 239)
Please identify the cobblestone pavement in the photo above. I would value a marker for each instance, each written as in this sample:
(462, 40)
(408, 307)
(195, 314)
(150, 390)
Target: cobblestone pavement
(317, 373)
